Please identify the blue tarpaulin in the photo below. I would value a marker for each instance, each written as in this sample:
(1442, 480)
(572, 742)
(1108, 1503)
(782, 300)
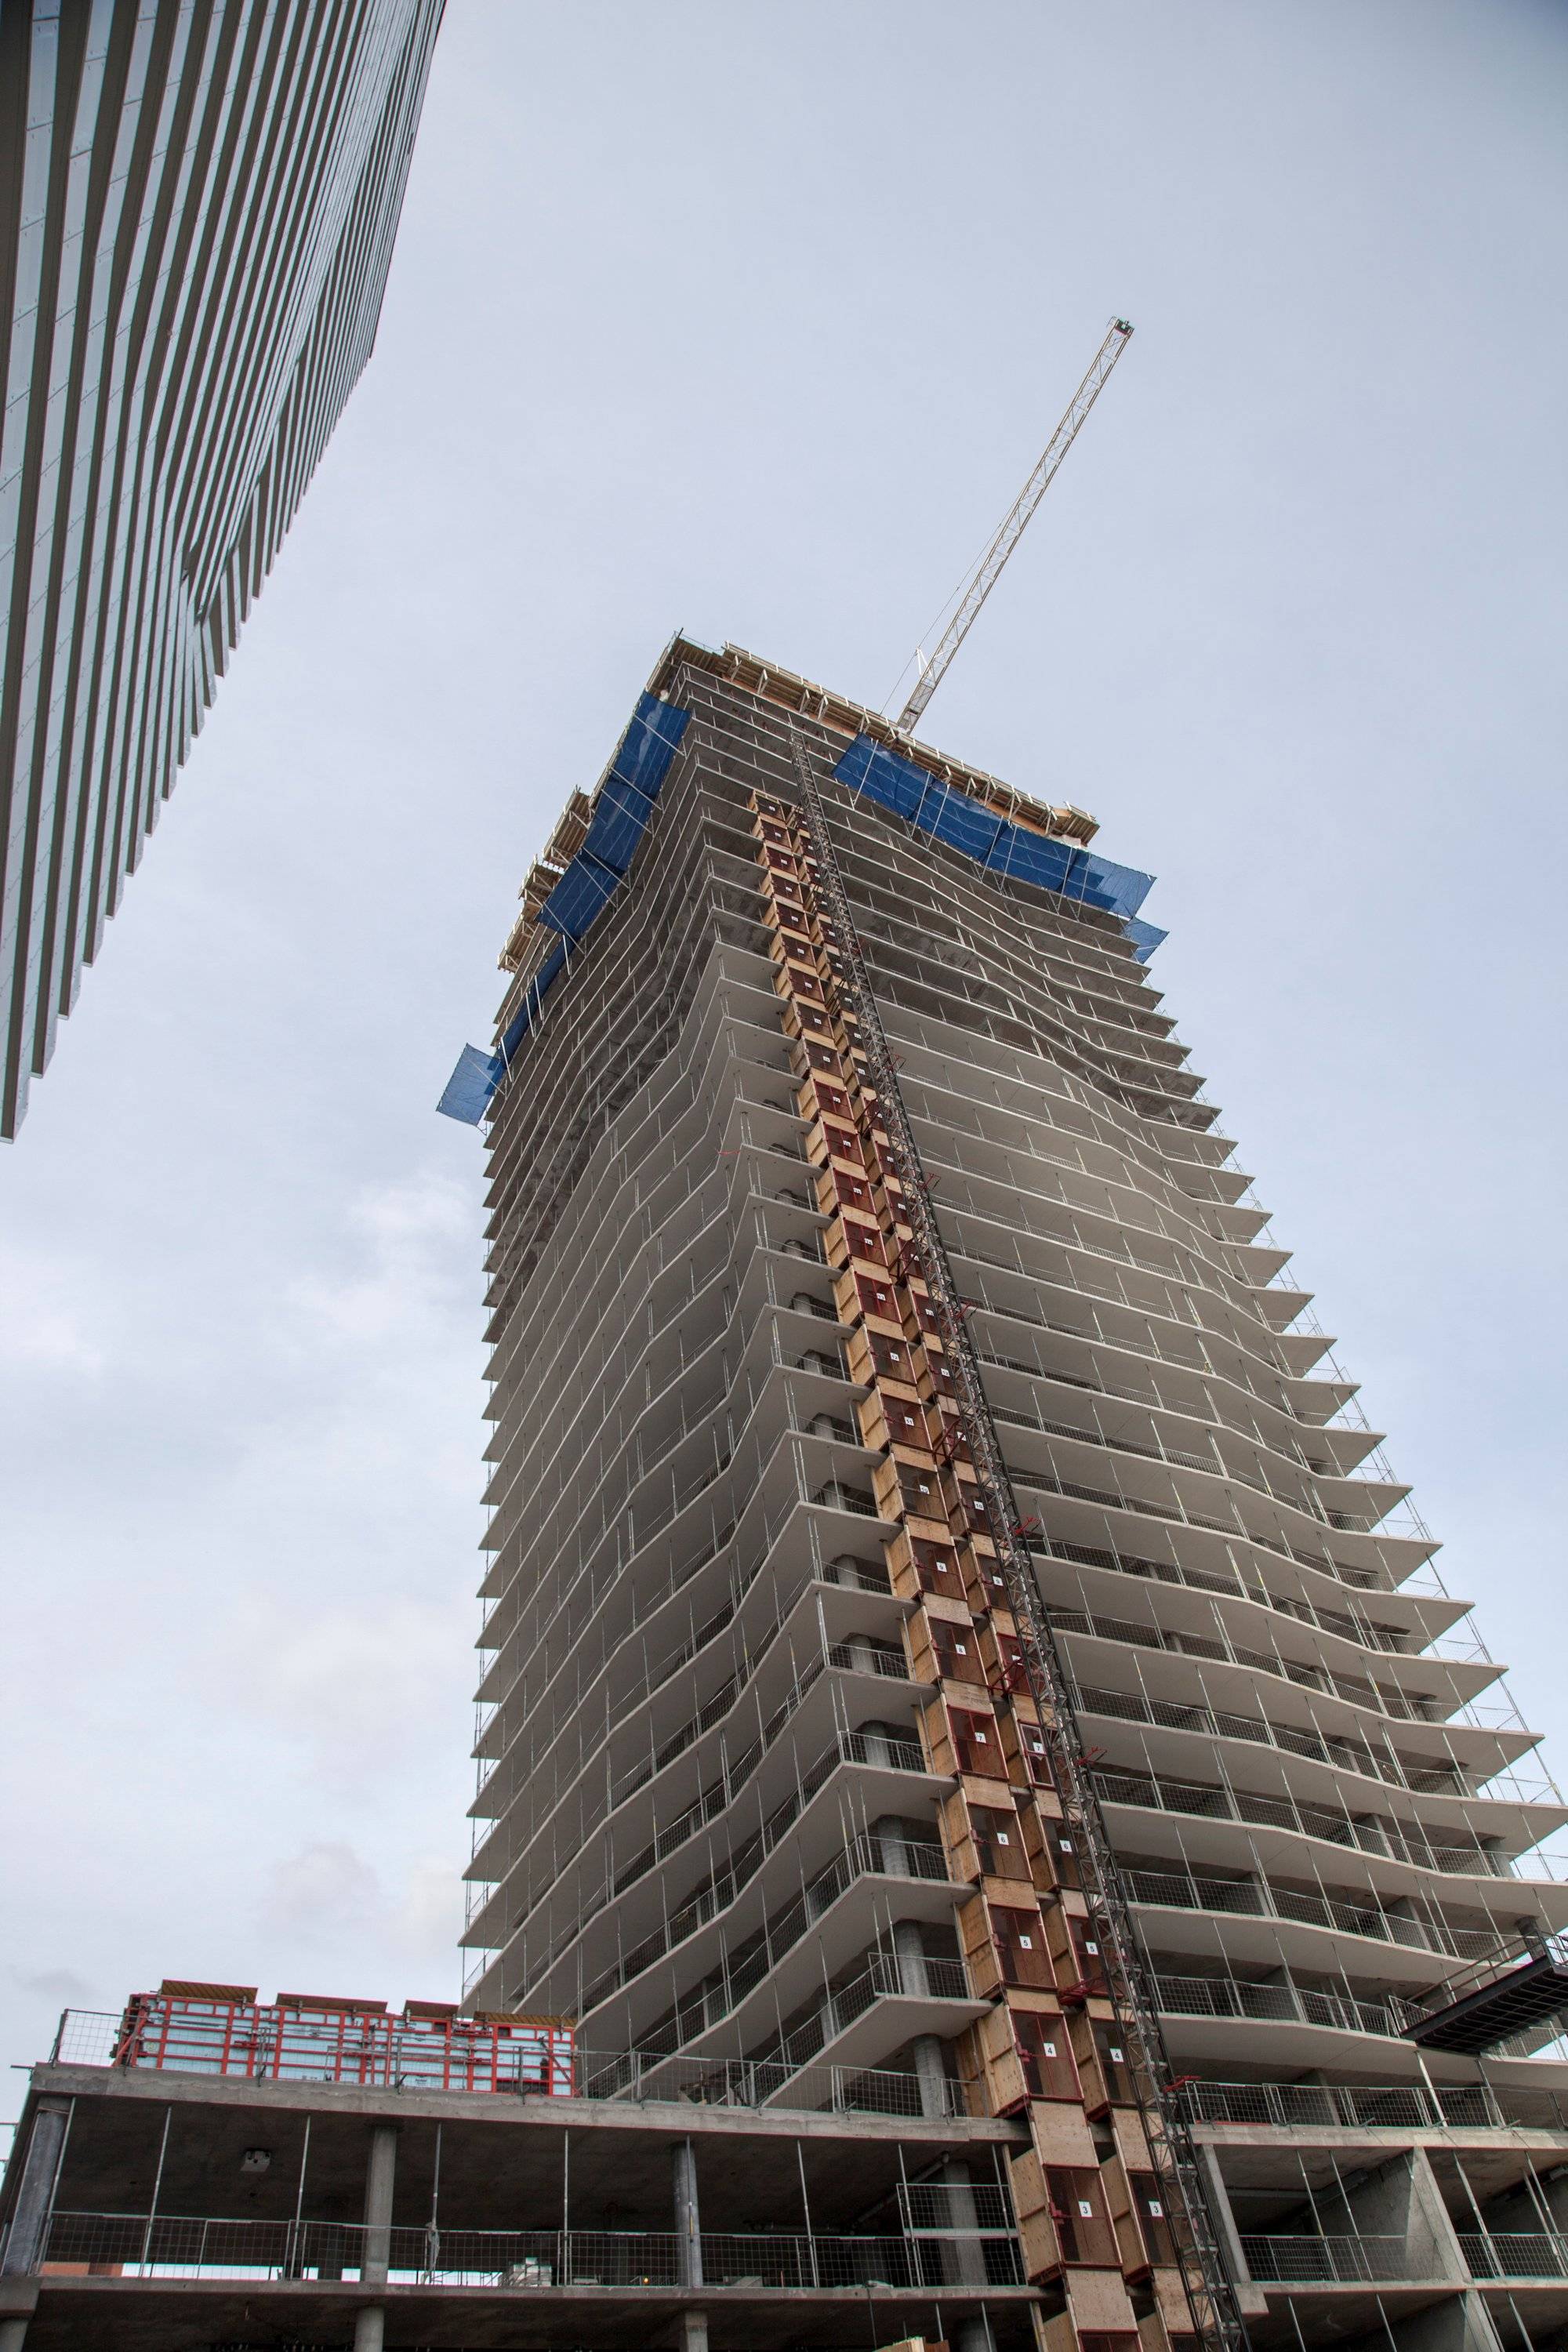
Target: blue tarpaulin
(622, 806)
(532, 1004)
(996, 842)
(578, 898)
(471, 1085)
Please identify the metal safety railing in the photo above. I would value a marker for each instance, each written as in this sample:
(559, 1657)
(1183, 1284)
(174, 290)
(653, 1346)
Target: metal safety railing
(863, 1856)
(177, 2246)
(1515, 2254)
(887, 1977)
(1412, 1707)
(643, 2076)
(1339, 2260)
(1203, 1800)
(1224, 1649)
(1156, 1346)
(861, 1657)
(1387, 2106)
(1384, 1764)
(1285, 2004)
(1261, 1898)
(753, 1537)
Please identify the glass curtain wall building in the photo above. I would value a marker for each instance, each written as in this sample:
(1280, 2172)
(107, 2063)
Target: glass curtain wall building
(771, 1789)
(197, 209)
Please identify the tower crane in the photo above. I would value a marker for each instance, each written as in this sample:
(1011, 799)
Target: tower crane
(988, 571)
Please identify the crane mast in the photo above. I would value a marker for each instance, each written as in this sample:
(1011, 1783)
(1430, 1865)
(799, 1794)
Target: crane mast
(1013, 529)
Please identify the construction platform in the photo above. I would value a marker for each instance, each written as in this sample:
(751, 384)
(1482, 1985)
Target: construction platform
(1526, 1990)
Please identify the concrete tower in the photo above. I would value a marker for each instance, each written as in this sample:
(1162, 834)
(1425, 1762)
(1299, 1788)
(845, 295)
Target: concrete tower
(765, 1782)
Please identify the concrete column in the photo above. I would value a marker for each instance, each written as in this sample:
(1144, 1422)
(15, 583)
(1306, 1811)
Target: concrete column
(692, 2330)
(1431, 2237)
(967, 2266)
(35, 2198)
(930, 2067)
(688, 2218)
(1251, 2301)
(972, 2335)
(891, 1845)
(370, 2322)
(879, 1739)
(909, 1946)
(1462, 2323)
(930, 2073)
(370, 2327)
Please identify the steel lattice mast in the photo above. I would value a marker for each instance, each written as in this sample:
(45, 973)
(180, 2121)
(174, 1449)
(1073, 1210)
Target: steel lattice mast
(1016, 522)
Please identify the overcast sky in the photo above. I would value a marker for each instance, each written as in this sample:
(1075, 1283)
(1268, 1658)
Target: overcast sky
(749, 320)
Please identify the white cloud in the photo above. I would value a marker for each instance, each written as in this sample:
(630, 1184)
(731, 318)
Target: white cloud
(62, 1985)
(416, 1236)
(48, 1323)
(327, 1894)
(321, 1893)
(353, 1688)
(430, 1912)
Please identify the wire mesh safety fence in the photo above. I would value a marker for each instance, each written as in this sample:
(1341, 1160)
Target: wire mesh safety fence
(887, 1976)
(644, 2075)
(1273, 2003)
(1263, 1898)
(1515, 2254)
(780, 1932)
(179, 2246)
(1392, 2106)
(950, 2208)
(1327, 2261)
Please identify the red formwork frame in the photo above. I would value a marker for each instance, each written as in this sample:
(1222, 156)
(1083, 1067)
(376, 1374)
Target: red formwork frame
(347, 2042)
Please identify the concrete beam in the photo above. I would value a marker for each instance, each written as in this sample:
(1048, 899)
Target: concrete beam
(532, 2110)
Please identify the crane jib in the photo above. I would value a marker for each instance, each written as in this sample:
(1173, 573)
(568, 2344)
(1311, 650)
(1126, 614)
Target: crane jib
(1013, 526)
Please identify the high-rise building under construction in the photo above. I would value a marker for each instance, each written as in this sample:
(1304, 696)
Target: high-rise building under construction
(197, 208)
(989, 1828)
(851, 1195)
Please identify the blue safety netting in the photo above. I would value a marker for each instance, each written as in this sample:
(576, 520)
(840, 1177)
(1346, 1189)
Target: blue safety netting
(471, 1085)
(578, 898)
(996, 842)
(622, 806)
(532, 1004)
(1145, 938)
